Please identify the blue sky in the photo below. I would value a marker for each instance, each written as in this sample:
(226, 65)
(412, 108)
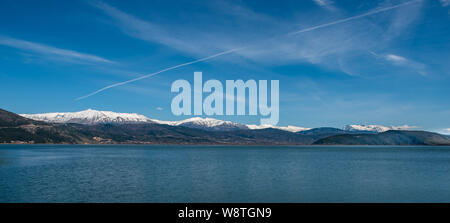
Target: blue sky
(389, 68)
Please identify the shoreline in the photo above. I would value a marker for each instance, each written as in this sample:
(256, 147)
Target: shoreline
(250, 145)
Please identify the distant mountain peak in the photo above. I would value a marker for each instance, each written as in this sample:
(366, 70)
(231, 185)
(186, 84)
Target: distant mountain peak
(376, 128)
(210, 124)
(289, 128)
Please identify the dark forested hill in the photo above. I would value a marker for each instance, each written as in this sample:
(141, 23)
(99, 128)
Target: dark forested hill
(9, 119)
(392, 137)
(17, 129)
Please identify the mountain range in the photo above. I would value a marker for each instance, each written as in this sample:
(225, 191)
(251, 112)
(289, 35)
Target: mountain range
(106, 127)
(93, 117)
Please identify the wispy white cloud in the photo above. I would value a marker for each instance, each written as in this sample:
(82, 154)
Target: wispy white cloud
(326, 4)
(241, 12)
(192, 40)
(395, 58)
(52, 53)
(314, 48)
(445, 3)
(317, 48)
(139, 28)
(336, 44)
(323, 2)
(159, 108)
(403, 62)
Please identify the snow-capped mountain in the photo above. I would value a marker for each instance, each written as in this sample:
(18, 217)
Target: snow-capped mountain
(205, 123)
(215, 124)
(375, 128)
(289, 128)
(89, 117)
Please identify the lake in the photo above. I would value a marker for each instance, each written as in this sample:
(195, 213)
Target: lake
(166, 173)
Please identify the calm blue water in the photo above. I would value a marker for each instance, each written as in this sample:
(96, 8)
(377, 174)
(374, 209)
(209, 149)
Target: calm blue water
(55, 173)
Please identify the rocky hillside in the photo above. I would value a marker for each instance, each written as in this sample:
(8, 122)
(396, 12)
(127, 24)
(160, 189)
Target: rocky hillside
(17, 129)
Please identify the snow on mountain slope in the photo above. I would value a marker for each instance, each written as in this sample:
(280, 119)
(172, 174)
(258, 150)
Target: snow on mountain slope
(210, 124)
(289, 128)
(204, 123)
(89, 117)
(215, 124)
(376, 128)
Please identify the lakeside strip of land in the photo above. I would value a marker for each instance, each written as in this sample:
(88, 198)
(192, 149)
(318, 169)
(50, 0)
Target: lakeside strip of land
(15, 129)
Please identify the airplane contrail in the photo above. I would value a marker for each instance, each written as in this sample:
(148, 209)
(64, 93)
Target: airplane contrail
(158, 72)
(376, 11)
